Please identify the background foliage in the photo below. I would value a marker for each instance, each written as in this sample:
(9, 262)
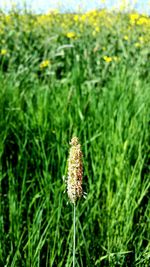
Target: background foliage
(74, 74)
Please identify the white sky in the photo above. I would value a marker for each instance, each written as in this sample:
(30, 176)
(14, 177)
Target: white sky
(74, 5)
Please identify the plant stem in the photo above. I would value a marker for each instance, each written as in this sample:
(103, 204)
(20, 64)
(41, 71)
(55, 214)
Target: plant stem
(74, 234)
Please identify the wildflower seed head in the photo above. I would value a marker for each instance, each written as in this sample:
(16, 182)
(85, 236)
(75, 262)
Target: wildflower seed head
(75, 171)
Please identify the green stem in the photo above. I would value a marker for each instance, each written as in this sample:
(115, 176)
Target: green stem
(74, 234)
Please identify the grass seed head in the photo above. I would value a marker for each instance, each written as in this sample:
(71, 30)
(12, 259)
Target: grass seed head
(75, 171)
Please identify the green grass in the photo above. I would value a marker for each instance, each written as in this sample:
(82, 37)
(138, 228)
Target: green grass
(108, 107)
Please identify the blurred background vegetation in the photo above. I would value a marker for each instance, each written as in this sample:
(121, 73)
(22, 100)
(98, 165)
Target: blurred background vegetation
(84, 74)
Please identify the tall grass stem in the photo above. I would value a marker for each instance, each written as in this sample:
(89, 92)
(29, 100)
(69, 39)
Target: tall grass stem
(74, 233)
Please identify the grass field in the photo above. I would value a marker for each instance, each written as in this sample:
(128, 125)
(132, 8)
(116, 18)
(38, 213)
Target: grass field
(74, 74)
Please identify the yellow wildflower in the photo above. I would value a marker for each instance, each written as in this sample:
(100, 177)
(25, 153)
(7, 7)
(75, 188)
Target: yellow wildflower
(134, 17)
(97, 28)
(44, 64)
(71, 35)
(126, 38)
(143, 21)
(141, 39)
(3, 52)
(107, 59)
(137, 44)
(83, 17)
(76, 18)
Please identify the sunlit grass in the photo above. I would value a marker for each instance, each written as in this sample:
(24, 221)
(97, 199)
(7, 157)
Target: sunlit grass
(85, 75)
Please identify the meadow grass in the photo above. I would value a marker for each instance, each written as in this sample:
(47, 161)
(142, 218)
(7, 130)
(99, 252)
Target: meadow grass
(106, 103)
